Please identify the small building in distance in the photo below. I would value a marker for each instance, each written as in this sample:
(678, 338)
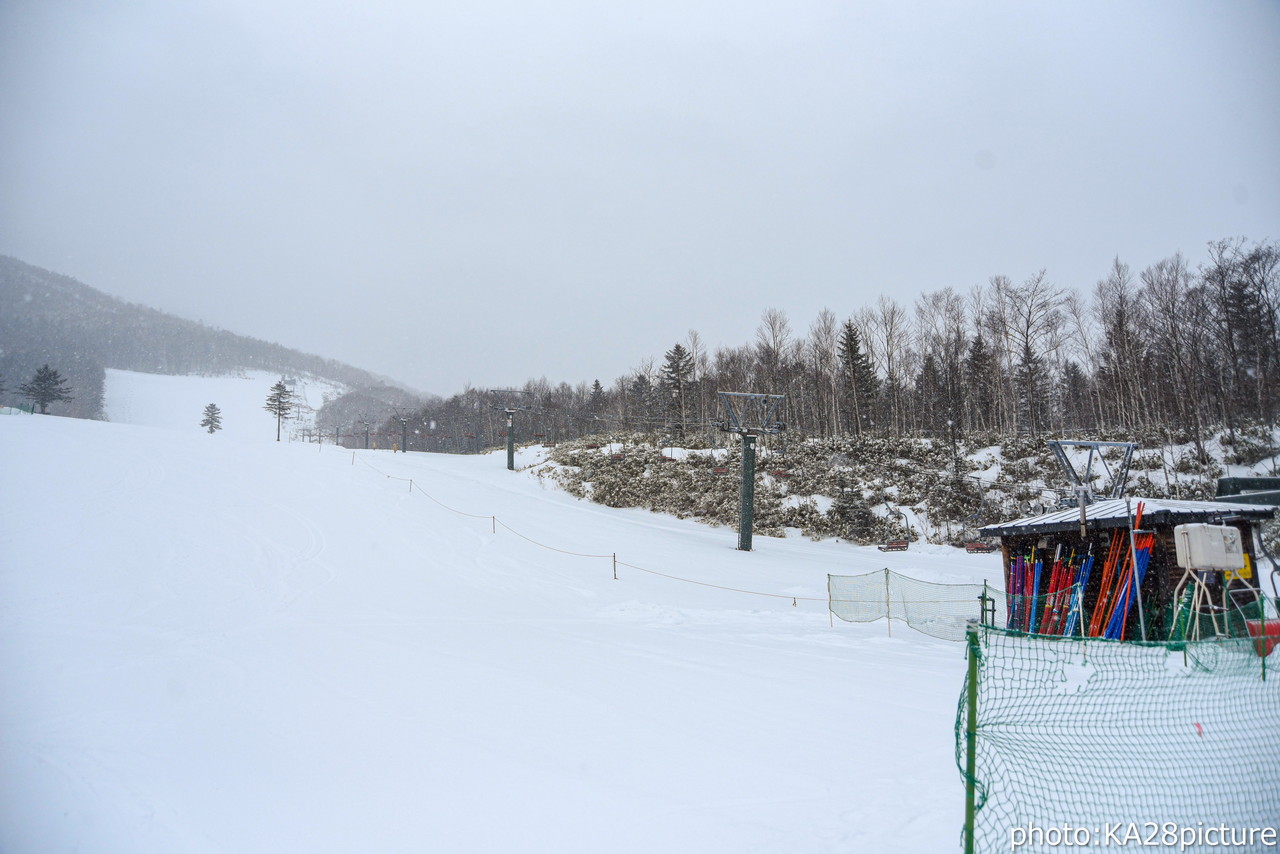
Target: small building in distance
(1046, 555)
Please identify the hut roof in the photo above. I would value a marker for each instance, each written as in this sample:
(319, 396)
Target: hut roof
(1113, 513)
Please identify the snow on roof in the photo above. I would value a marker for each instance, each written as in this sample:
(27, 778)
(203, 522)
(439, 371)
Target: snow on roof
(1114, 513)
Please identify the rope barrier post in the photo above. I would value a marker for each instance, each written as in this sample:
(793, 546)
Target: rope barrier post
(615, 566)
(970, 734)
(493, 524)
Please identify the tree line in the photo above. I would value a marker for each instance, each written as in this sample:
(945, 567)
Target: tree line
(1173, 348)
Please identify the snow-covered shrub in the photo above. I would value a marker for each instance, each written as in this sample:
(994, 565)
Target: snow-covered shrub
(852, 487)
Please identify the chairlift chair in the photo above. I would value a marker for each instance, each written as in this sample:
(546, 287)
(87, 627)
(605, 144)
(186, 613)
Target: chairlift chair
(979, 547)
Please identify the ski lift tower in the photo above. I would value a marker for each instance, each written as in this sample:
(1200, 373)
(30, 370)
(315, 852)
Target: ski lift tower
(505, 401)
(1082, 481)
(404, 431)
(749, 415)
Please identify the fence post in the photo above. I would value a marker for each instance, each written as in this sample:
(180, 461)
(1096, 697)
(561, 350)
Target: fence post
(888, 607)
(970, 734)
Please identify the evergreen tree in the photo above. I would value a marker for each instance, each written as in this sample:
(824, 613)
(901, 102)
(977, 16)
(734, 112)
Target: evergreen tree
(641, 397)
(859, 384)
(279, 404)
(1247, 292)
(595, 403)
(212, 420)
(1029, 375)
(46, 387)
(931, 396)
(980, 385)
(851, 514)
(1076, 395)
(677, 387)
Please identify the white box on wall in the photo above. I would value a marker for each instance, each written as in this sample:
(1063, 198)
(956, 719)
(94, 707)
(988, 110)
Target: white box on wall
(1204, 546)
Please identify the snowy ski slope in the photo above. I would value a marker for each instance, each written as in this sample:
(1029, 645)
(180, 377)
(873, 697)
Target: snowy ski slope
(224, 644)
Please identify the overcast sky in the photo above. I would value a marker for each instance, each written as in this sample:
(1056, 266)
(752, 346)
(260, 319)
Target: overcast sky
(486, 192)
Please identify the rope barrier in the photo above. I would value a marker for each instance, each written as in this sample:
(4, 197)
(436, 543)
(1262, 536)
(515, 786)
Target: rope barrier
(723, 587)
(616, 563)
(544, 545)
(452, 509)
(413, 486)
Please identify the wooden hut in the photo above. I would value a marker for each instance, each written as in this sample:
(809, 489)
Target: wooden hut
(1070, 535)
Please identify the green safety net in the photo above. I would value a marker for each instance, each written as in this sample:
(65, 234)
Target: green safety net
(1119, 739)
(938, 610)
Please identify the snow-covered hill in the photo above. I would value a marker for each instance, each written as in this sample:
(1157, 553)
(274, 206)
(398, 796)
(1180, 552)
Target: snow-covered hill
(224, 644)
(83, 333)
(177, 402)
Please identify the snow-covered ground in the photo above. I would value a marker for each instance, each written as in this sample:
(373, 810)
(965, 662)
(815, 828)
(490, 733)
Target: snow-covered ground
(223, 644)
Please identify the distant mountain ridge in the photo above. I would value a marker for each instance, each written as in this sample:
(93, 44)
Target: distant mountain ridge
(49, 318)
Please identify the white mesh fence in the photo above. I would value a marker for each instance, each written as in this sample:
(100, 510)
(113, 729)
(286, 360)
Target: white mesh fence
(938, 610)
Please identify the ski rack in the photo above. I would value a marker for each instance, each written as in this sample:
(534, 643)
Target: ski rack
(1084, 481)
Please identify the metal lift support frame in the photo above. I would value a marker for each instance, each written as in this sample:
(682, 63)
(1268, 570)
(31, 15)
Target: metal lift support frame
(1084, 481)
(749, 415)
(503, 404)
